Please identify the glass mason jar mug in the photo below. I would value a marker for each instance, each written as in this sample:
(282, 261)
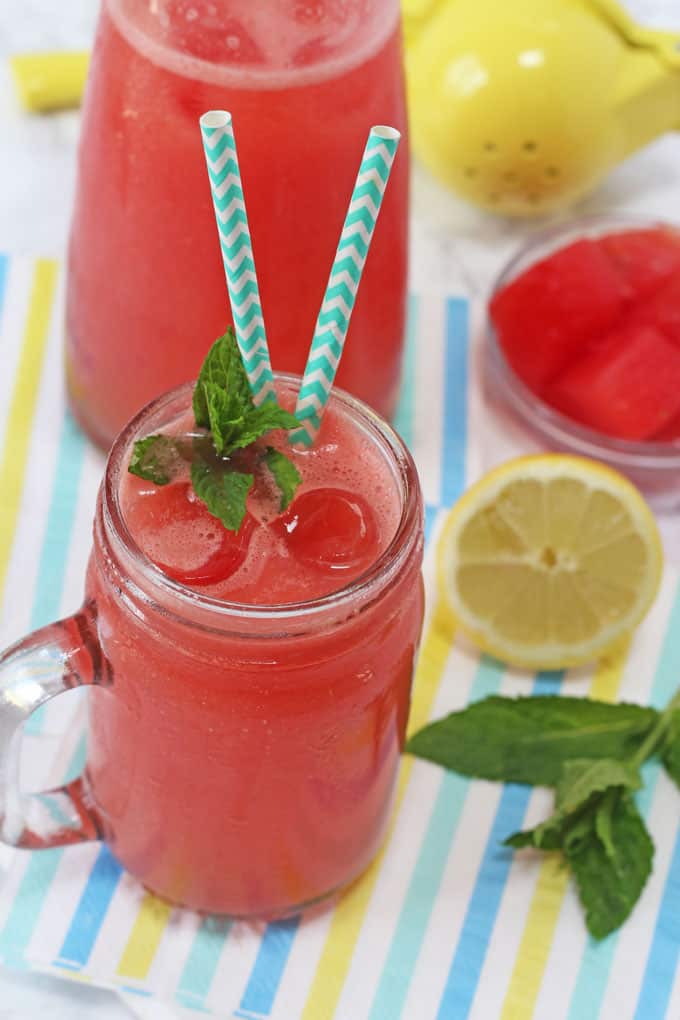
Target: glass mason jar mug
(241, 758)
(304, 80)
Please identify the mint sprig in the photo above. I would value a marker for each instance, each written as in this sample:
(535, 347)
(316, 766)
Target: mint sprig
(591, 753)
(223, 405)
(223, 402)
(284, 473)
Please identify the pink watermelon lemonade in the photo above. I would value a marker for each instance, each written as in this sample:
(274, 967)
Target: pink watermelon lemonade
(304, 82)
(261, 680)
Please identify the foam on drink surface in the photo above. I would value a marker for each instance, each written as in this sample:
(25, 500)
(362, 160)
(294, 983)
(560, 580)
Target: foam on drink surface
(256, 45)
(344, 460)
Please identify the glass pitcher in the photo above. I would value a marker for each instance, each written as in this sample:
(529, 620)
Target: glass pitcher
(304, 80)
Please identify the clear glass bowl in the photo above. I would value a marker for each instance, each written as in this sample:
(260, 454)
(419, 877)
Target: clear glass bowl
(654, 467)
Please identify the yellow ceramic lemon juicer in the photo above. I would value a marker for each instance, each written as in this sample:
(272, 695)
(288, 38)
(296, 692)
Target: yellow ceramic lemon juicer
(524, 105)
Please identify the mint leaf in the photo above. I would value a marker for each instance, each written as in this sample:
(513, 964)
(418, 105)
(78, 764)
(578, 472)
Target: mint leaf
(580, 789)
(233, 430)
(583, 777)
(604, 823)
(610, 854)
(528, 740)
(286, 475)
(226, 421)
(224, 492)
(155, 458)
(546, 836)
(611, 875)
(223, 401)
(222, 370)
(270, 416)
(263, 419)
(670, 749)
(234, 427)
(580, 829)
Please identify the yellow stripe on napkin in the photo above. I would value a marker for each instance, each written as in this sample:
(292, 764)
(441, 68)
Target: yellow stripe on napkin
(551, 886)
(145, 938)
(23, 405)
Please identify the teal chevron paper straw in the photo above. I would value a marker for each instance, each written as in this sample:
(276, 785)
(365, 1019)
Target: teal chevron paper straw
(237, 251)
(343, 283)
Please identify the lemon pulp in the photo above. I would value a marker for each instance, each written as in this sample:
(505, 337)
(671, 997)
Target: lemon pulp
(549, 560)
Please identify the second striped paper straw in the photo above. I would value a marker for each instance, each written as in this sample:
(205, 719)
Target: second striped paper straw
(343, 283)
(237, 251)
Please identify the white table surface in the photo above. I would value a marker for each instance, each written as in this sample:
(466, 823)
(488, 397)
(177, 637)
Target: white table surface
(454, 248)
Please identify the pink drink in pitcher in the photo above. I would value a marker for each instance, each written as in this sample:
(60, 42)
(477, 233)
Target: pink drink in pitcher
(304, 79)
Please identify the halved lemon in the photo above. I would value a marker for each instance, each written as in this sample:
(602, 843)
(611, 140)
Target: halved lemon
(549, 561)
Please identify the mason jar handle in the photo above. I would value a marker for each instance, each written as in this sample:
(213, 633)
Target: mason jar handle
(48, 662)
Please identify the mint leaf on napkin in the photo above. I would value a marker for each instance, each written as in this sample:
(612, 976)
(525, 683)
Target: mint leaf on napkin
(528, 740)
(670, 750)
(581, 787)
(582, 778)
(610, 875)
(591, 753)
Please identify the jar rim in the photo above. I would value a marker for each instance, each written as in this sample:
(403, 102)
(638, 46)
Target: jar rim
(625, 454)
(186, 604)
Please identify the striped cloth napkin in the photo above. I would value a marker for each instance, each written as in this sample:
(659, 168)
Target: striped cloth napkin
(447, 924)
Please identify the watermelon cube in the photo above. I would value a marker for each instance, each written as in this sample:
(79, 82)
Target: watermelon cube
(662, 310)
(550, 313)
(629, 386)
(669, 433)
(645, 259)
